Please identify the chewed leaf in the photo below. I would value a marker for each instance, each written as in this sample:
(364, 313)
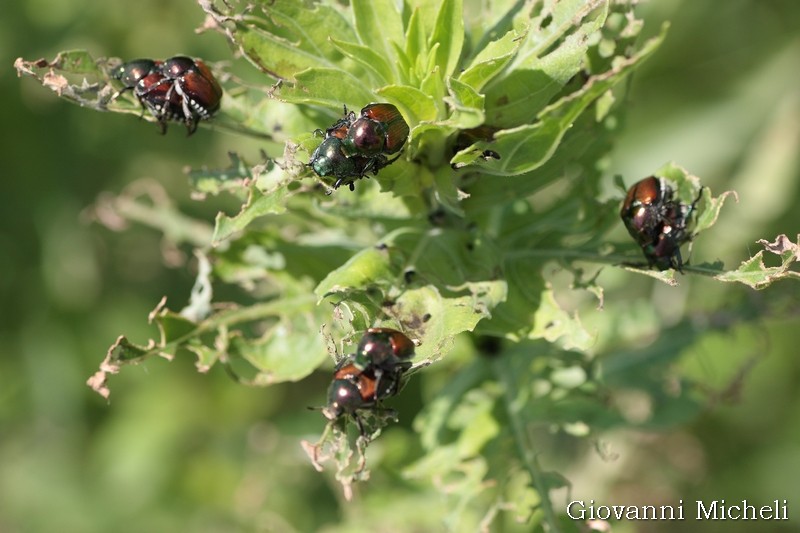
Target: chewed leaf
(289, 349)
(755, 274)
(258, 204)
(527, 147)
(491, 60)
(709, 208)
(371, 266)
(285, 38)
(783, 247)
(232, 178)
(518, 95)
(553, 323)
(120, 353)
(435, 318)
(146, 202)
(78, 77)
(666, 276)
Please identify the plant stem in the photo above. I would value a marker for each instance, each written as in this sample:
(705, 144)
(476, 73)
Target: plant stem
(525, 447)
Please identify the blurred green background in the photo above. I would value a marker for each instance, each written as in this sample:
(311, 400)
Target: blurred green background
(175, 450)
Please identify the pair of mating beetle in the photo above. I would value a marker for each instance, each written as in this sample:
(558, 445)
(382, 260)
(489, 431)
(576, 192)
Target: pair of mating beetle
(184, 89)
(179, 88)
(658, 221)
(373, 373)
(357, 145)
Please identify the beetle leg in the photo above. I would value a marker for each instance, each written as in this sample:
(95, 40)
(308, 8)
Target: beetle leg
(190, 119)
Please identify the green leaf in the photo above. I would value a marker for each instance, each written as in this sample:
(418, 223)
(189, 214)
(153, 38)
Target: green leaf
(211, 337)
(515, 318)
(584, 143)
(454, 292)
(379, 27)
(328, 87)
(416, 46)
(249, 113)
(523, 94)
(404, 180)
(756, 275)
(258, 204)
(371, 266)
(77, 77)
(367, 58)
(290, 38)
(558, 19)
(173, 326)
(552, 323)
(491, 60)
(275, 55)
(448, 34)
(518, 96)
(288, 351)
(436, 318)
(433, 86)
(527, 147)
(264, 256)
(207, 181)
(415, 105)
(466, 104)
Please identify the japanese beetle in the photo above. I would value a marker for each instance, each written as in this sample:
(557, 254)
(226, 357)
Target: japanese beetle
(329, 159)
(353, 389)
(130, 73)
(385, 352)
(153, 90)
(645, 207)
(384, 349)
(665, 251)
(380, 129)
(354, 147)
(199, 89)
(658, 221)
(340, 128)
(157, 94)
